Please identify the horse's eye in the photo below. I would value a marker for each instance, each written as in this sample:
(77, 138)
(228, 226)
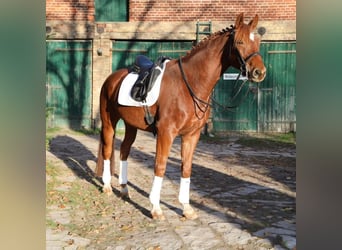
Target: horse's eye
(239, 42)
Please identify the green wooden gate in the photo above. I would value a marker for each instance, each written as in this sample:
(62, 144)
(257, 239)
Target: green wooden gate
(68, 83)
(125, 52)
(277, 95)
(264, 108)
(234, 93)
(111, 10)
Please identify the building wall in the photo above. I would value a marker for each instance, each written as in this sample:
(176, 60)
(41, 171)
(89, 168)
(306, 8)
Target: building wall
(159, 20)
(177, 10)
(215, 10)
(76, 10)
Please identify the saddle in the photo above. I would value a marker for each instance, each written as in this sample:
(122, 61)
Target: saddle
(148, 72)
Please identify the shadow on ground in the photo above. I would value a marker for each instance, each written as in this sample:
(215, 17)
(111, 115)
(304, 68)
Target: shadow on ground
(255, 206)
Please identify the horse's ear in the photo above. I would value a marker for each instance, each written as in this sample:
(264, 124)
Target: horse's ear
(253, 23)
(239, 21)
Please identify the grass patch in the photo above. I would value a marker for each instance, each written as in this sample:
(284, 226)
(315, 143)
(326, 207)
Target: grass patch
(52, 171)
(52, 195)
(268, 140)
(219, 139)
(51, 224)
(283, 138)
(49, 135)
(253, 140)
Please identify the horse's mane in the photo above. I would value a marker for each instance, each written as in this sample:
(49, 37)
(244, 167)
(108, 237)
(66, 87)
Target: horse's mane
(209, 38)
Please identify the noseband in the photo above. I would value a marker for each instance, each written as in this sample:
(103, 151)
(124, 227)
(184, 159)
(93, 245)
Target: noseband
(242, 61)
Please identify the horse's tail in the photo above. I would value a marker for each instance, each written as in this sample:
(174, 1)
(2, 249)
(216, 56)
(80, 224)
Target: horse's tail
(106, 93)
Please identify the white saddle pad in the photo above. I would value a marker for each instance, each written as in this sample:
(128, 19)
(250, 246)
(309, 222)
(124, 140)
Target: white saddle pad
(126, 87)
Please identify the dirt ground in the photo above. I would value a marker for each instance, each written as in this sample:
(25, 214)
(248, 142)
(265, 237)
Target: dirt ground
(244, 194)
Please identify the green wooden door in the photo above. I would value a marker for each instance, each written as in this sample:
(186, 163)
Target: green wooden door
(125, 52)
(111, 10)
(264, 107)
(68, 83)
(277, 93)
(237, 93)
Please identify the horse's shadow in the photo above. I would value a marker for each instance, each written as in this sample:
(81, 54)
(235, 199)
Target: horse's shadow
(75, 156)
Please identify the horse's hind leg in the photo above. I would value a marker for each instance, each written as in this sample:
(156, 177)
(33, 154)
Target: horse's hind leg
(107, 139)
(130, 135)
(105, 161)
(103, 167)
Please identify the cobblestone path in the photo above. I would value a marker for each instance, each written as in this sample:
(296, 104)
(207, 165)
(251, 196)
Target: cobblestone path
(244, 196)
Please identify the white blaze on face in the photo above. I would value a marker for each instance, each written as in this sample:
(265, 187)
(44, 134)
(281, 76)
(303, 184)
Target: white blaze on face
(251, 36)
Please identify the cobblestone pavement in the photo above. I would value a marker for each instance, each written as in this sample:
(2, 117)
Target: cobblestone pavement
(244, 196)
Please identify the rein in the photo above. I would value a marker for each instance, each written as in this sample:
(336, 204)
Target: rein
(192, 93)
(243, 71)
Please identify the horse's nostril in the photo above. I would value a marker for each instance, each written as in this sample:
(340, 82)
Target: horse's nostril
(257, 72)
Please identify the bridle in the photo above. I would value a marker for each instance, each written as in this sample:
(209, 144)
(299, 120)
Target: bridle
(242, 61)
(243, 72)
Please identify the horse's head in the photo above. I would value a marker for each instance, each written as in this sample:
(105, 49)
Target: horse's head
(245, 49)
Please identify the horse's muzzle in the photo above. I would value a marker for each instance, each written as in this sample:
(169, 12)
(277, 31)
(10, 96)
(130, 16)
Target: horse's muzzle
(257, 74)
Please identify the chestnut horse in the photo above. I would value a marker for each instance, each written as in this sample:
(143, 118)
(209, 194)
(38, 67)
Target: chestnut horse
(181, 109)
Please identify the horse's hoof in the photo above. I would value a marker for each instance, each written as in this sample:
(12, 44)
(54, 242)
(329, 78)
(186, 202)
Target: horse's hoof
(189, 213)
(124, 193)
(157, 215)
(107, 189)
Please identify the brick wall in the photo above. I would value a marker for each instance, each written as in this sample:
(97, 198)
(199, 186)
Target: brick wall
(177, 10)
(151, 19)
(78, 10)
(215, 10)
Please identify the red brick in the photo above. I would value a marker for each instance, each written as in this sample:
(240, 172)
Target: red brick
(178, 10)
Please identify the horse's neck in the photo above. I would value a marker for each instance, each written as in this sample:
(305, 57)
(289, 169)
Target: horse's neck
(204, 68)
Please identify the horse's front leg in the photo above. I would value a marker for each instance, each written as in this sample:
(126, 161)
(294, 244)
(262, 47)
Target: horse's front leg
(164, 142)
(189, 143)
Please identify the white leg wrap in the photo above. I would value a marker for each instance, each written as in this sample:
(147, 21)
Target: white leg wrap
(123, 172)
(184, 191)
(106, 177)
(155, 191)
